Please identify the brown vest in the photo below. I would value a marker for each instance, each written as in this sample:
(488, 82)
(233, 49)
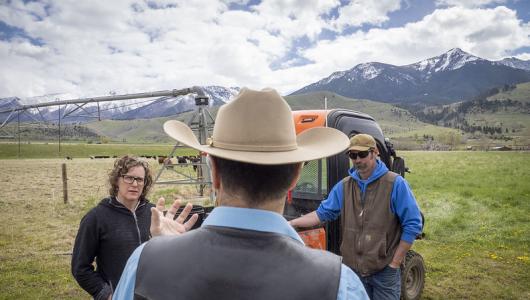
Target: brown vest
(370, 231)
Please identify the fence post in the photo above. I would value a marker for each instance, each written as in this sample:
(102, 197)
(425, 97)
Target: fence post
(65, 185)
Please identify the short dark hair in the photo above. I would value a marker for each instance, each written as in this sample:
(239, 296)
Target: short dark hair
(256, 183)
(122, 166)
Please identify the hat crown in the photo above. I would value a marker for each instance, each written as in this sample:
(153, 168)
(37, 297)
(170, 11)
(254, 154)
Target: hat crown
(255, 121)
(362, 142)
(257, 127)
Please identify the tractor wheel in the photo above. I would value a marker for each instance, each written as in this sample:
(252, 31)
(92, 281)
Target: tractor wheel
(412, 276)
(398, 166)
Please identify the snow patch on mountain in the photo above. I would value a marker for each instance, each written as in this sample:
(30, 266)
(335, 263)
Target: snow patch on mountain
(330, 78)
(451, 60)
(368, 71)
(516, 63)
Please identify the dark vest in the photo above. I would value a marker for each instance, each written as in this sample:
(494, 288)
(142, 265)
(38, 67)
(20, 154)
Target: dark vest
(215, 262)
(370, 231)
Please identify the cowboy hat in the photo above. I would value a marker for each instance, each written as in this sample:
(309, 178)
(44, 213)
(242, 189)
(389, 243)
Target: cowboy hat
(257, 127)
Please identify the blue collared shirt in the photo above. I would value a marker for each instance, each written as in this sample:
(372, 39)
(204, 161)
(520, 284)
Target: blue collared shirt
(350, 287)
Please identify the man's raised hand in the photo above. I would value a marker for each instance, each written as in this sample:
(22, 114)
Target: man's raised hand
(165, 225)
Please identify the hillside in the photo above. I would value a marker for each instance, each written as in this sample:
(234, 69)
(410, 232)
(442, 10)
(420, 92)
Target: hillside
(503, 114)
(48, 132)
(491, 121)
(394, 121)
(520, 93)
(139, 130)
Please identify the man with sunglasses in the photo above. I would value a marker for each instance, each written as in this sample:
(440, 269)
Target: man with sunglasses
(380, 219)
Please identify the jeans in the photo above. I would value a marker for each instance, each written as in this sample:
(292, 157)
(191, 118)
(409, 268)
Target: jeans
(383, 285)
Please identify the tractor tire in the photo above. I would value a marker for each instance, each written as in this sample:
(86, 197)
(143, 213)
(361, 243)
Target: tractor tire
(412, 276)
(398, 166)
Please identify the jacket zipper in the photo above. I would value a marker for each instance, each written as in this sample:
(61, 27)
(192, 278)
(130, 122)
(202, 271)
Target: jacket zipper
(136, 223)
(135, 218)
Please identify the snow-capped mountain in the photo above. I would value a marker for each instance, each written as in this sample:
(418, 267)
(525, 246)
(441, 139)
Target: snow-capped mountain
(122, 109)
(450, 77)
(9, 102)
(516, 63)
(167, 106)
(451, 60)
(42, 99)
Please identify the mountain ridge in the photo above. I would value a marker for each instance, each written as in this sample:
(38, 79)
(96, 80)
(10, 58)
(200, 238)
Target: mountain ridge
(430, 81)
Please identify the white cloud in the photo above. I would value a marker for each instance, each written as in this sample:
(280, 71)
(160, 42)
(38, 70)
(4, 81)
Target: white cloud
(468, 3)
(359, 12)
(295, 18)
(91, 48)
(488, 33)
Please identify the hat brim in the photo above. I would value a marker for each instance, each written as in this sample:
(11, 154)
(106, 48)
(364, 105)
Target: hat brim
(359, 148)
(313, 144)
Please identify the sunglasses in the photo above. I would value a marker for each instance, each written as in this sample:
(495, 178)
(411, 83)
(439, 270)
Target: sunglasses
(360, 154)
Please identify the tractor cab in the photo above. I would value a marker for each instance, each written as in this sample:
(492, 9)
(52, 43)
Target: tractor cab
(319, 176)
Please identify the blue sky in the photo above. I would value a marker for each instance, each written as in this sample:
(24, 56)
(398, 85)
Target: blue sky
(90, 48)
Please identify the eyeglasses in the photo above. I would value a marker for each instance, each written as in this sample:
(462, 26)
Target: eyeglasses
(130, 179)
(360, 154)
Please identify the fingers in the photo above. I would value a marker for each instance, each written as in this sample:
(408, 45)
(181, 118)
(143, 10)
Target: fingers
(188, 225)
(173, 209)
(155, 222)
(185, 212)
(161, 204)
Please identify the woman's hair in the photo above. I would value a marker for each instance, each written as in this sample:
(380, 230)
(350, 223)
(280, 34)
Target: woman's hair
(122, 166)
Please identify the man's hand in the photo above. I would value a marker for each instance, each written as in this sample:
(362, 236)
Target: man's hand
(400, 253)
(165, 225)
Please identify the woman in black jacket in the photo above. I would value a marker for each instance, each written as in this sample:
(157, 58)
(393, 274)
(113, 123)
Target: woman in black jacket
(110, 232)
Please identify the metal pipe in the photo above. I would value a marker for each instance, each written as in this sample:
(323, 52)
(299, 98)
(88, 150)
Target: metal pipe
(18, 133)
(173, 93)
(59, 129)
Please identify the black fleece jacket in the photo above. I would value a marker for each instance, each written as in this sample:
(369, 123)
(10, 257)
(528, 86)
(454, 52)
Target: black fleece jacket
(108, 234)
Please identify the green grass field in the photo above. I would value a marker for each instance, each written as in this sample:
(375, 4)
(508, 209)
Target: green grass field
(476, 204)
(80, 150)
(477, 209)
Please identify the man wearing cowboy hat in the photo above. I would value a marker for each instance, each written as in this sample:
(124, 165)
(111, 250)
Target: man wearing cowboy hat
(245, 249)
(380, 219)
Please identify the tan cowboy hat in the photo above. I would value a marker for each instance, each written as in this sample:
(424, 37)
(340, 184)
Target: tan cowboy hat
(257, 127)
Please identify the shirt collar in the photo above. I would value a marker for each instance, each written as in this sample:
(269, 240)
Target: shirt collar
(251, 219)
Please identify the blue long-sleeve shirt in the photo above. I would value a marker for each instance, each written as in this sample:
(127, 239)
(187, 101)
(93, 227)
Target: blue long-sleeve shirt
(403, 204)
(350, 287)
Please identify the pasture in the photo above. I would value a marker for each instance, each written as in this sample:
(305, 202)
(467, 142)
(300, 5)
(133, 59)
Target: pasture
(476, 204)
(79, 150)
